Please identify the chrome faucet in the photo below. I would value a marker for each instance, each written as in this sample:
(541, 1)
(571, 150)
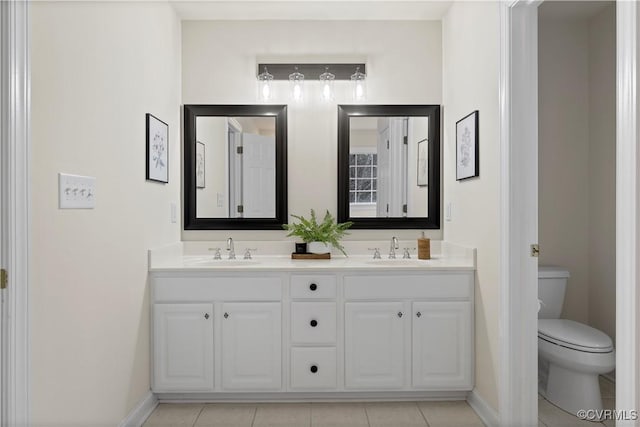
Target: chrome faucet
(230, 248)
(393, 247)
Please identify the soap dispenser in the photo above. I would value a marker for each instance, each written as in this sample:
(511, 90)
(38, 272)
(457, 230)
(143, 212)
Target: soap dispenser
(424, 247)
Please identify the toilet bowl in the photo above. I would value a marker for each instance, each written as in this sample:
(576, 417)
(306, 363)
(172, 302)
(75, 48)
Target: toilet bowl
(571, 355)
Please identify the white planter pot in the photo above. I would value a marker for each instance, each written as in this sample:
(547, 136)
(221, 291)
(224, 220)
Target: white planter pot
(318, 248)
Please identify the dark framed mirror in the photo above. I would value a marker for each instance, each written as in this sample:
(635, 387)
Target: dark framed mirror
(235, 167)
(389, 166)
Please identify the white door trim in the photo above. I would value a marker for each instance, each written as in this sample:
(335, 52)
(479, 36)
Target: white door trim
(518, 400)
(15, 167)
(627, 211)
(518, 117)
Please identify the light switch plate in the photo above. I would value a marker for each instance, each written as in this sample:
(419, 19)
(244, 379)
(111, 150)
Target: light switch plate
(448, 212)
(76, 192)
(174, 213)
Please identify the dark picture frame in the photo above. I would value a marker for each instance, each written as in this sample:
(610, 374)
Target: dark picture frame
(157, 152)
(468, 146)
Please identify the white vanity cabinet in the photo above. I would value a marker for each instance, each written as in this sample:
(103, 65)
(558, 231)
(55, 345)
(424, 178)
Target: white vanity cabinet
(251, 346)
(374, 345)
(183, 347)
(326, 333)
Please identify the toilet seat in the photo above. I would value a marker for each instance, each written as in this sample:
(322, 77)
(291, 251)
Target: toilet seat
(574, 335)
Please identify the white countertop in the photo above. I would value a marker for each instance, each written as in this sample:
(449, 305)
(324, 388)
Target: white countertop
(188, 257)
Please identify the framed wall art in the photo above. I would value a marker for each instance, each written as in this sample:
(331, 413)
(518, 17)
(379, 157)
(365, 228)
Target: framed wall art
(157, 150)
(200, 165)
(423, 163)
(467, 147)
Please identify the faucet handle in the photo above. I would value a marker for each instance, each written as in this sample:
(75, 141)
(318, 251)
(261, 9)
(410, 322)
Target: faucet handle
(407, 254)
(217, 255)
(247, 253)
(376, 253)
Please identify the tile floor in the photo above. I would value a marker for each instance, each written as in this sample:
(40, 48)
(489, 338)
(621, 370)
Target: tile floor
(383, 414)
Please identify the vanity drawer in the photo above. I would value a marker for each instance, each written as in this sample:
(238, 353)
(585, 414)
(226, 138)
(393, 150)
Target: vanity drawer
(313, 286)
(313, 368)
(437, 285)
(198, 289)
(313, 322)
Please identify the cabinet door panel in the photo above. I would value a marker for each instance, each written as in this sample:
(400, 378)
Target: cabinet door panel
(442, 358)
(183, 347)
(251, 346)
(374, 345)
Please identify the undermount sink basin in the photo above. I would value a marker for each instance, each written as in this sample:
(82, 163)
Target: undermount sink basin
(394, 262)
(210, 262)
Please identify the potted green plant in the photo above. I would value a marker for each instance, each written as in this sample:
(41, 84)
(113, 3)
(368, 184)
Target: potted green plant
(319, 236)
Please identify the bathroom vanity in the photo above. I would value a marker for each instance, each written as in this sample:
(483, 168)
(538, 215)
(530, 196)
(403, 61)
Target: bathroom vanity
(276, 328)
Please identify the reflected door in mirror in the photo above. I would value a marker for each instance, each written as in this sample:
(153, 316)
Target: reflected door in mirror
(235, 167)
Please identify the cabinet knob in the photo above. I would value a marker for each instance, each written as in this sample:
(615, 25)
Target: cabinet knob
(313, 286)
(418, 314)
(206, 316)
(399, 314)
(226, 315)
(313, 323)
(313, 369)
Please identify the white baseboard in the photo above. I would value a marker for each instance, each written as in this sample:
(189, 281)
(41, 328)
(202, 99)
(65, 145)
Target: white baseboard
(487, 414)
(141, 412)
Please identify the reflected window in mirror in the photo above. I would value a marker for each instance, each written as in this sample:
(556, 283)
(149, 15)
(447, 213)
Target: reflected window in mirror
(235, 166)
(389, 166)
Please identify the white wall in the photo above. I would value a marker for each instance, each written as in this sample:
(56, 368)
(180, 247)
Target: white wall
(577, 159)
(470, 34)
(97, 68)
(563, 178)
(602, 171)
(404, 65)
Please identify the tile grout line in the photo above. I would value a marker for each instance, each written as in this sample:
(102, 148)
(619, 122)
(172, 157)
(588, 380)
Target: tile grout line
(255, 411)
(198, 417)
(424, 417)
(366, 414)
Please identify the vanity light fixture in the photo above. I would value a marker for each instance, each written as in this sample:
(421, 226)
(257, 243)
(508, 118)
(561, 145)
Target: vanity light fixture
(296, 80)
(326, 80)
(264, 85)
(358, 85)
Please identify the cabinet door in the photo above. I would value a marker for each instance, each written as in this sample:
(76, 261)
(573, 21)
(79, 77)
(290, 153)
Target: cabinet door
(183, 347)
(251, 346)
(442, 338)
(374, 345)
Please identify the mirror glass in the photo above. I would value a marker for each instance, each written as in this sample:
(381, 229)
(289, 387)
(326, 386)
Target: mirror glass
(389, 166)
(235, 167)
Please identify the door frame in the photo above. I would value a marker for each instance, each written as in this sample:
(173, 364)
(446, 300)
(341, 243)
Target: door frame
(15, 147)
(518, 401)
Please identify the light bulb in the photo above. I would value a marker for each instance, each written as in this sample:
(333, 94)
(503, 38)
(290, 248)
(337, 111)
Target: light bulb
(264, 85)
(266, 91)
(297, 92)
(296, 79)
(327, 79)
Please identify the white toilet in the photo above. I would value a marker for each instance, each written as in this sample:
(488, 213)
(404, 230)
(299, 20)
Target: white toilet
(571, 355)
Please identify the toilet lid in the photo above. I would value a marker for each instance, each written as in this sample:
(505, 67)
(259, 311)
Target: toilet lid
(568, 333)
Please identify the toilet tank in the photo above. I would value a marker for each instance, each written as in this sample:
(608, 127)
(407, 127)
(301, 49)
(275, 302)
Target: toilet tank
(552, 284)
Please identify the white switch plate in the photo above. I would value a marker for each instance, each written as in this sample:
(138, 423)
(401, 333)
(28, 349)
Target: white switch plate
(220, 199)
(448, 212)
(76, 192)
(174, 213)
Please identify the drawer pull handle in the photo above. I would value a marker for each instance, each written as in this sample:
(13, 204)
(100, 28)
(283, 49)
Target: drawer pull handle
(226, 315)
(313, 286)
(418, 314)
(399, 314)
(313, 369)
(313, 323)
(206, 316)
